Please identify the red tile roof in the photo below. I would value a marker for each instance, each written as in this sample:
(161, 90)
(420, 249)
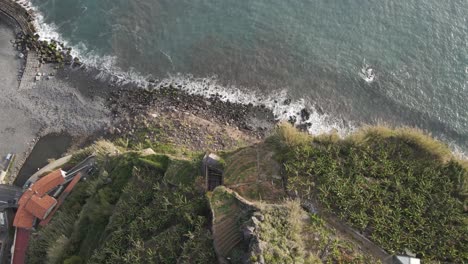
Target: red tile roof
(23, 218)
(21, 245)
(35, 202)
(47, 183)
(40, 206)
(61, 199)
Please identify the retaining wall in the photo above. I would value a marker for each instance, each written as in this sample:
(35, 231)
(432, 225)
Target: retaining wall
(21, 19)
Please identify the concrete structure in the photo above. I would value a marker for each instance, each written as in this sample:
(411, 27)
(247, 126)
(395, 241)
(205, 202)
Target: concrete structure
(406, 260)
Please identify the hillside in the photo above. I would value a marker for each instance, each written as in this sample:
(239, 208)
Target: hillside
(400, 188)
(134, 210)
(288, 199)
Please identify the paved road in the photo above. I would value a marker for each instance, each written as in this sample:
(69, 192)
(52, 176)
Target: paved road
(9, 193)
(5, 242)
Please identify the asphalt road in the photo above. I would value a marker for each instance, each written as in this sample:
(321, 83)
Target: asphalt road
(8, 193)
(5, 241)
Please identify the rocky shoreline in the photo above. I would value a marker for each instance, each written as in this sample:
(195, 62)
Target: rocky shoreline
(71, 100)
(76, 102)
(31, 106)
(129, 102)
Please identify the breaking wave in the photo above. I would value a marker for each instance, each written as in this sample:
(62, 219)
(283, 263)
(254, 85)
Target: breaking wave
(277, 102)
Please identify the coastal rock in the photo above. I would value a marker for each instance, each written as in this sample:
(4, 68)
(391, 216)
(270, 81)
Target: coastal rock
(305, 114)
(292, 120)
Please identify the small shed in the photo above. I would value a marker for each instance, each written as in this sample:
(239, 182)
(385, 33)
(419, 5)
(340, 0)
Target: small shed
(212, 169)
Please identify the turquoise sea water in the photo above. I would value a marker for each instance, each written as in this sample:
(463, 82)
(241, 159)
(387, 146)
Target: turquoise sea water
(313, 49)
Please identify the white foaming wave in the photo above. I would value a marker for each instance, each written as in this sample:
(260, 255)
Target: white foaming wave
(206, 87)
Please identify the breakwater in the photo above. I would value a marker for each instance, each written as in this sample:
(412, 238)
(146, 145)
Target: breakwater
(21, 20)
(27, 42)
(18, 16)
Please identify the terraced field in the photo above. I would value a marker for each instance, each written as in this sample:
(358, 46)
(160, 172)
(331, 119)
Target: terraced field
(228, 215)
(254, 174)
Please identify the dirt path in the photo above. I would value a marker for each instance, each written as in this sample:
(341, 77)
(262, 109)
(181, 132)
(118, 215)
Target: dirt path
(346, 231)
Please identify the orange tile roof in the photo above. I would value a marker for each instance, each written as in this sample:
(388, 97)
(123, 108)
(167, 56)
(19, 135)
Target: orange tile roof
(47, 183)
(40, 206)
(25, 197)
(23, 218)
(35, 202)
(61, 199)
(21, 245)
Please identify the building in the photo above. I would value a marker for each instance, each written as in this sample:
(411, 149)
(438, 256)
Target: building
(212, 170)
(35, 202)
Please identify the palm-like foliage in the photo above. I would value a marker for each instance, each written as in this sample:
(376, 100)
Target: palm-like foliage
(400, 194)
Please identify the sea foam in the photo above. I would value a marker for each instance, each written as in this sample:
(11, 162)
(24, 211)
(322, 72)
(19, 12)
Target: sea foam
(108, 70)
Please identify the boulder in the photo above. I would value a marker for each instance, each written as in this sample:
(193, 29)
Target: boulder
(305, 114)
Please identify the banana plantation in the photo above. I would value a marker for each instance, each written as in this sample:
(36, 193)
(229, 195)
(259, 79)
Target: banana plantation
(397, 191)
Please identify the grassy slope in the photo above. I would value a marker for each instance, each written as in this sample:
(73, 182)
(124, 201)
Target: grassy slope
(285, 233)
(133, 211)
(399, 187)
(254, 173)
(402, 189)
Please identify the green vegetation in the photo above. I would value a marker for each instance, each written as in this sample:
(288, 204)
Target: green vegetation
(400, 188)
(134, 210)
(229, 214)
(254, 173)
(282, 233)
(293, 236)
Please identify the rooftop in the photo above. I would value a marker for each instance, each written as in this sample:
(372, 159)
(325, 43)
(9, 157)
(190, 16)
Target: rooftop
(35, 202)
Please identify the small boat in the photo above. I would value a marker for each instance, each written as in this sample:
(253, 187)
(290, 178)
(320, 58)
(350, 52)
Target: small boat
(367, 73)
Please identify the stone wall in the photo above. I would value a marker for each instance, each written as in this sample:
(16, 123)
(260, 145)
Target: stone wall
(14, 11)
(21, 19)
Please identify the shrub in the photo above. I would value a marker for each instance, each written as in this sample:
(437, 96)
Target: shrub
(286, 135)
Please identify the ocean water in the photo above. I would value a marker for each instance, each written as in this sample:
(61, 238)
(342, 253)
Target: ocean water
(265, 51)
